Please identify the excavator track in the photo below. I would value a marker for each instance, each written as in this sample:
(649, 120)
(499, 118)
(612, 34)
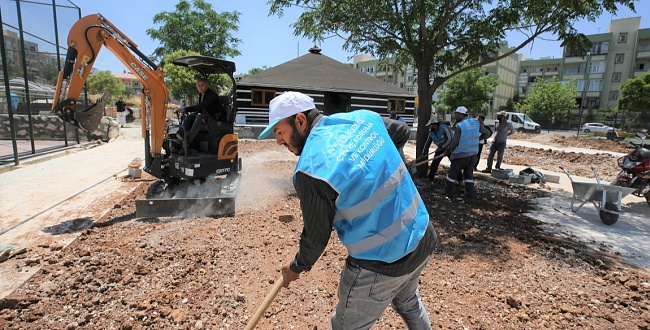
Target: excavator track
(216, 196)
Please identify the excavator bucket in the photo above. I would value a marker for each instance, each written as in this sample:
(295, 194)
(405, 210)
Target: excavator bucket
(87, 119)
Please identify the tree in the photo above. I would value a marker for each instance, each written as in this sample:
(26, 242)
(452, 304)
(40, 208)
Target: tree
(442, 38)
(257, 70)
(181, 81)
(105, 82)
(196, 27)
(49, 73)
(471, 89)
(550, 101)
(635, 94)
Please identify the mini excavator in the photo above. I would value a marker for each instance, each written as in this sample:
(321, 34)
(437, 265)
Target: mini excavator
(198, 179)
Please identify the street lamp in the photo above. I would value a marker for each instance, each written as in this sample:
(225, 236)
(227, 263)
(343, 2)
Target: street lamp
(584, 92)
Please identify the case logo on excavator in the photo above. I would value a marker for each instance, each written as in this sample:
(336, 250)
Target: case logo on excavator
(139, 71)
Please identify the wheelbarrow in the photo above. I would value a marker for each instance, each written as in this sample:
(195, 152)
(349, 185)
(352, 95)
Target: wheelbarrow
(606, 198)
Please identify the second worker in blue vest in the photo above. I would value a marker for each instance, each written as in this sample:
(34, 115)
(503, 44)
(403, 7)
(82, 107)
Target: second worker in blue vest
(440, 135)
(463, 151)
(350, 177)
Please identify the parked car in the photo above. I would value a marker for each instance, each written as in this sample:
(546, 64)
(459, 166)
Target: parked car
(520, 122)
(596, 127)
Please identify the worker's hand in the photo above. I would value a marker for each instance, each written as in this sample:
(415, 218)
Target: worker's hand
(289, 275)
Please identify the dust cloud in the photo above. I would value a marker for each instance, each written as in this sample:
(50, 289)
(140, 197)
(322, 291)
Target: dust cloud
(266, 176)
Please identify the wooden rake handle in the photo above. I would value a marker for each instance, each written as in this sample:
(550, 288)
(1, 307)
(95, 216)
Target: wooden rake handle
(279, 283)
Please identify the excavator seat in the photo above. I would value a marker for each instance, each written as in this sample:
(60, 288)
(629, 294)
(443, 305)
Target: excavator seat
(207, 141)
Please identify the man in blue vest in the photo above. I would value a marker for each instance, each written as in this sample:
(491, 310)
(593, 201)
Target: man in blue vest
(440, 135)
(463, 151)
(350, 177)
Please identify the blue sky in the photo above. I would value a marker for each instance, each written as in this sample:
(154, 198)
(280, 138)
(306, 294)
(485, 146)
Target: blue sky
(269, 40)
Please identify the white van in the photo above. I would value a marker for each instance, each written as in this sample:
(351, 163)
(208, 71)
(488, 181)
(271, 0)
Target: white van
(522, 123)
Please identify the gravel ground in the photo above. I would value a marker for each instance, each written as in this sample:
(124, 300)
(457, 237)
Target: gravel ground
(494, 269)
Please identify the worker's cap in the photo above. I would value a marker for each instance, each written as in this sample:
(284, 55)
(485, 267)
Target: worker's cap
(501, 113)
(286, 105)
(462, 110)
(432, 121)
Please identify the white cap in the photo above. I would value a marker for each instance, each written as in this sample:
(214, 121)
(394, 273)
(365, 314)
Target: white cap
(462, 110)
(432, 121)
(286, 105)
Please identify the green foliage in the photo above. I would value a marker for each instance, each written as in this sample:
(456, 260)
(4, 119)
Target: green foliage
(105, 82)
(471, 89)
(591, 116)
(181, 81)
(49, 73)
(550, 101)
(257, 70)
(635, 94)
(195, 26)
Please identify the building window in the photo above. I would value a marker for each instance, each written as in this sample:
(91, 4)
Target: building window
(613, 95)
(597, 67)
(616, 76)
(600, 48)
(262, 97)
(397, 105)
(619, 58)
(136, 84)
(594, 85)
(622, 37)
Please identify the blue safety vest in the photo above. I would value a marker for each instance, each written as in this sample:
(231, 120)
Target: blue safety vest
(379, 213)
(469, 135)
(439, 137)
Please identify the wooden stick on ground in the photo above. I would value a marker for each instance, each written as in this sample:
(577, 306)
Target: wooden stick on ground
(266, 303)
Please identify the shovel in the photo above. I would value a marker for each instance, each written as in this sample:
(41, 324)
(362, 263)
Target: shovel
(413, 168)
(265, 304)
(419, 158)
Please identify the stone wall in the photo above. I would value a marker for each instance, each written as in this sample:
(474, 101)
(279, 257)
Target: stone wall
(49, 127)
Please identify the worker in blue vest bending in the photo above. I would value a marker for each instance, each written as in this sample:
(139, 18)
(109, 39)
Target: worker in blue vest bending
(350, 177)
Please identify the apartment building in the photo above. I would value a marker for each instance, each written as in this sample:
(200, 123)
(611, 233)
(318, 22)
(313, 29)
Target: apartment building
(406, 77)
(36, 60)
(130, 81)
(621, 53)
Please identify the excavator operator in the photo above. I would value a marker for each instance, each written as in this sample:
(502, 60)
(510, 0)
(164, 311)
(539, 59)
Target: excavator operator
(209, 111)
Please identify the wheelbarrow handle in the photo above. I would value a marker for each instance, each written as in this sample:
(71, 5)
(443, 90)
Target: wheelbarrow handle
(565, 172)
(279, 283)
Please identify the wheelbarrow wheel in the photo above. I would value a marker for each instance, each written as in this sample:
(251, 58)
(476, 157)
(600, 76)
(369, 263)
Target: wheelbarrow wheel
(607, 217)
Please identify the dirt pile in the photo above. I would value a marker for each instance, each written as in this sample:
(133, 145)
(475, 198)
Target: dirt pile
(494, 268)
(595, 143)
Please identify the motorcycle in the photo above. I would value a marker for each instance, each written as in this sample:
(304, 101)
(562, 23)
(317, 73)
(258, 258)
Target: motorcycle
(635, 169)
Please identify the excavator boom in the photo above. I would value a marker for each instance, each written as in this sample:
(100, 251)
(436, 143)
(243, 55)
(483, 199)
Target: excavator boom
(85, 40)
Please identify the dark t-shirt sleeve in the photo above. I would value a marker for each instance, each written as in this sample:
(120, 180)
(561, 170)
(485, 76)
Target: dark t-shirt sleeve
(317, 200)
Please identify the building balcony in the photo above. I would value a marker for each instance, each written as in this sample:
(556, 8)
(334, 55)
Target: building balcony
(588, 94)
(576, 59)
(643, 54)
(577, 76)
(639, 73)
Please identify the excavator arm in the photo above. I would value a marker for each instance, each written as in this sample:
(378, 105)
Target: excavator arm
(85, 40)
